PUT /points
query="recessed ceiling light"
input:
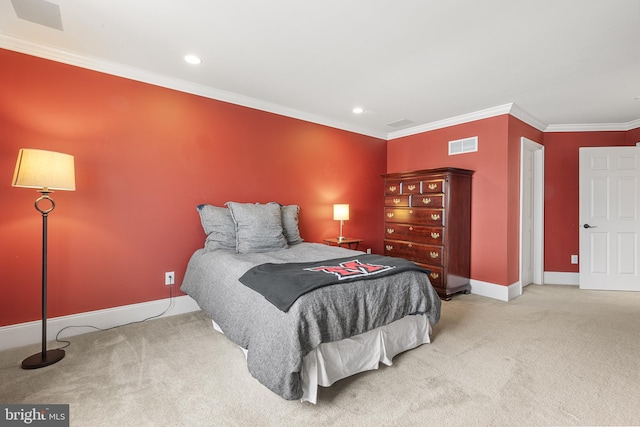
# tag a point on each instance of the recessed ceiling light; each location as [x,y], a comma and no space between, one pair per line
[192,59]
[358,110]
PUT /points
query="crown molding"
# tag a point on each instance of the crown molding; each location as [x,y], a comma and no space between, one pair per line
[156,79]
[108,67]
[594,127]
[452,121]
[521,114]
[634,124]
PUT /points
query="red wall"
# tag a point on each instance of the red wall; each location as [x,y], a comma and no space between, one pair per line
[561,186]
[633,136]
[495,207]
[145,157]
[495,186]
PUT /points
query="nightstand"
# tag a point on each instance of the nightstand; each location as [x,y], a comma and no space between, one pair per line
[346,241]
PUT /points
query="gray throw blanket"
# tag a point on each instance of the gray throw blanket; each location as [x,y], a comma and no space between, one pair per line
[283,284]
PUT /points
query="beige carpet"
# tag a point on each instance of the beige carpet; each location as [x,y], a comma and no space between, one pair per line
[554,356]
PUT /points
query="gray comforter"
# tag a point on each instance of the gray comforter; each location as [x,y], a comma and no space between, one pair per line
[277,341]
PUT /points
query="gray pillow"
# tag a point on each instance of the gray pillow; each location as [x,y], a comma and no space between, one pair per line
[258,227]
[290,224]
[219,227]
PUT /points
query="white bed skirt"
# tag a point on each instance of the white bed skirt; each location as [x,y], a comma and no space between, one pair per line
[330,362]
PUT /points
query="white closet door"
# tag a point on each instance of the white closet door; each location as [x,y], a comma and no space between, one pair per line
[610,218]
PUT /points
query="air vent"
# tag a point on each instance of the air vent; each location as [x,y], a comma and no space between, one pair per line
[39,12]
[401,123]
[466,145]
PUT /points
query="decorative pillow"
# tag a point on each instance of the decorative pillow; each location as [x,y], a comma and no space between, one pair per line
[290,224]
[219,227]
[258,227]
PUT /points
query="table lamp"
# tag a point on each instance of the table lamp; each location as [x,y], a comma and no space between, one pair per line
[341,213]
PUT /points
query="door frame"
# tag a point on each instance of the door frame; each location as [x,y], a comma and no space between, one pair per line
[537,249]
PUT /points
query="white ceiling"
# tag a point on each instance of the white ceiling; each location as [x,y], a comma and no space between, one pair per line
[558,64]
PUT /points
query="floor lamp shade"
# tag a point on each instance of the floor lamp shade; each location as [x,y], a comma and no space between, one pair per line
[45,171]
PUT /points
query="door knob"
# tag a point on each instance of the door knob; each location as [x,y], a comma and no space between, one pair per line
[590,226]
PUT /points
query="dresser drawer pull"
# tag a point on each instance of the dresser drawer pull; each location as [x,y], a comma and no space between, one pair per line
[390,214]
[435,217]
[434,255]
[410,228]
[435,235]
[396,201]
[392,189]
[426,200]
[390,231]
[433,275]
[411,187]
[389,247]
[409,245]
[432,186]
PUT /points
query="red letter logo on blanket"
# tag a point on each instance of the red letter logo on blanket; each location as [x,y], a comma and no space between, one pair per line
[349,269]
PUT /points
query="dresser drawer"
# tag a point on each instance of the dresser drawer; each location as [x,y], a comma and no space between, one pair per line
[414,233]
[399,201]
[392,187]
[433,186]
[411,187]
[424,254]
[426,201]
[415,216]
[435,277]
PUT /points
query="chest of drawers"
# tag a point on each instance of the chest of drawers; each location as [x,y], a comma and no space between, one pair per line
[428,221]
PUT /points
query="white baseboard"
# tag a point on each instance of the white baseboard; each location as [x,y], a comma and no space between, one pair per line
[492,290]
[561,278]
[22,334]
[507,293]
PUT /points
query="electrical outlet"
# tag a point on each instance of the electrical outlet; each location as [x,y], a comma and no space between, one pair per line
[369,250]
[169,278]
[574,259]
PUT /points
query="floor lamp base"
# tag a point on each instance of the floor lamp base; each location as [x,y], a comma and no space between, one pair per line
[37,361]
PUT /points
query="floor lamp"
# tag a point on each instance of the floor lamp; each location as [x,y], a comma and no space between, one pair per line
[46,171]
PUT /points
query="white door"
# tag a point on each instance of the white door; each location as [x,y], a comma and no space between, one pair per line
[531,212]
[610,218]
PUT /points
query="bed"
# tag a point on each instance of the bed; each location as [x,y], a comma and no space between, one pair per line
[325,334]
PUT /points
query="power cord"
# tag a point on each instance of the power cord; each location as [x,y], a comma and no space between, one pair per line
[68,343]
